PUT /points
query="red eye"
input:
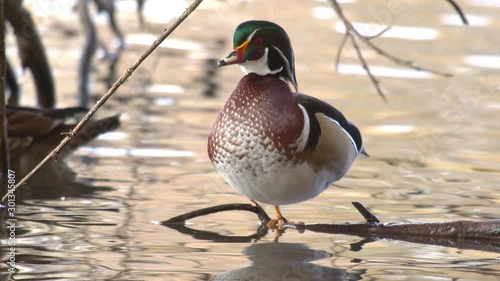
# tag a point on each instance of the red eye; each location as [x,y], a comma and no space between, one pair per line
[258,41]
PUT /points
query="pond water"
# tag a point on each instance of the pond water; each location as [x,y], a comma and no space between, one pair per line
[434,149]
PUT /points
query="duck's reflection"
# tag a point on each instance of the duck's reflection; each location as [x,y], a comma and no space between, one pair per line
[286,261]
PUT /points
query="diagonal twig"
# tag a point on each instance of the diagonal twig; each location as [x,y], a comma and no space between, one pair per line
[108,94]
[459,11]
[378,34]
[366,67]
[339,53]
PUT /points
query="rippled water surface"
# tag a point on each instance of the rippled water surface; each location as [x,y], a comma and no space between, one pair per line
[434,148]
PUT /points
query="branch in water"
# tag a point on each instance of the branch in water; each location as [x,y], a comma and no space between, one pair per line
[477,235]
[257,209]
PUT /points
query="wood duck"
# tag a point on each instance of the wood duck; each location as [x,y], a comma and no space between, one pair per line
[271,143]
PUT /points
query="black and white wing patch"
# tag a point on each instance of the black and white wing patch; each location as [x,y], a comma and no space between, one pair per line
[314,106]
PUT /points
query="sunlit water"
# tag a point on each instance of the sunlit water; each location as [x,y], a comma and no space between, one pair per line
[434,149]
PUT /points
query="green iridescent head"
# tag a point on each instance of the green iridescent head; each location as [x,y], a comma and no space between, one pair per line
[264,48]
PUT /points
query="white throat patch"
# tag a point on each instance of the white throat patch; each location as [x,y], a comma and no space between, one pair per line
[259,66]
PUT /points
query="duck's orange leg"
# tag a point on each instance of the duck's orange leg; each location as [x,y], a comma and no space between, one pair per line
[279,222]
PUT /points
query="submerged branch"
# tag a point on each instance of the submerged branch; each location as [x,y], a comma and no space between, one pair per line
[489,229]
[479,235]
[257,209]
[108,94]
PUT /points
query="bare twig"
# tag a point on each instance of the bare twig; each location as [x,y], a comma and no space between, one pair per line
[355,35]
[369,216]
[459,11]
[341,47]
[366,67]
[366,39]
[396,60]
[109,93]
[378,34]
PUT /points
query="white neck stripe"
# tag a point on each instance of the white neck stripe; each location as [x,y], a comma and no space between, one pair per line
[249,38]
[288,68]
[301,141]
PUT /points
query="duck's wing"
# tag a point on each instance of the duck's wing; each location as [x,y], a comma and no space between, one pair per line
[317,110]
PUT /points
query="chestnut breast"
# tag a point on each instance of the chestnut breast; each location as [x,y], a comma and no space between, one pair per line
[261,111]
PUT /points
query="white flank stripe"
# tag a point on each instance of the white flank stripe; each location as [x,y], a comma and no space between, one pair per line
[301,141]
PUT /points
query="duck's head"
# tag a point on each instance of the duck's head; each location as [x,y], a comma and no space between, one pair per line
[263,48]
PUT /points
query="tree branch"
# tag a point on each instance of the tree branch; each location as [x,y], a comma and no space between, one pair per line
[354,35]
[257,209]
[479,235]
[366,67]
[459,11]
[339,52]
[108,94]
[4,142]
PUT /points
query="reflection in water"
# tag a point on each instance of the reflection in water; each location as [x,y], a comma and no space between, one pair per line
[286,261]
[113,136]
[383,71]
[483,61]
[156,11]
[148,39]
[165,89]
[474,20]
[91,45]
[323,13]
[55,180]
[326,13]
[164,101]
[216,237]
[485,3]
[139,152]
[390,129]
[401,32]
